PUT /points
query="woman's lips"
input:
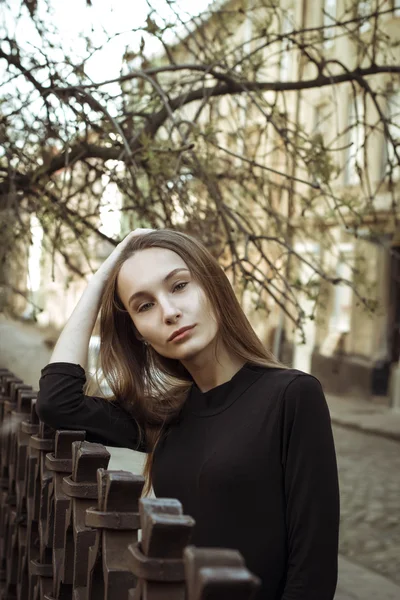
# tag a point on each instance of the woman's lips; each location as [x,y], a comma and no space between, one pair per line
[181,334]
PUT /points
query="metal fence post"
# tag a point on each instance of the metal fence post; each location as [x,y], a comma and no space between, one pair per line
[117,521]
[60,464]
[157,560]
[25,488]
[82,488]
[40,565]
[218,574]
[19,410]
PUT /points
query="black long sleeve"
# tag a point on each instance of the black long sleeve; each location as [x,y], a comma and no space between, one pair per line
[253,461]
[62,404]
[311,492]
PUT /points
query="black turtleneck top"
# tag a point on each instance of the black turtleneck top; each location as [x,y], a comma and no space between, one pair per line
[252,460]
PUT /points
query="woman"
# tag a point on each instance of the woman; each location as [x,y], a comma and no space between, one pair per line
[243,442]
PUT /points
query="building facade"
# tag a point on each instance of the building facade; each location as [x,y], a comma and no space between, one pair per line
[352,340]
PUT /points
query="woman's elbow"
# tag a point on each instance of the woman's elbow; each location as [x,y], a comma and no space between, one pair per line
[47,411]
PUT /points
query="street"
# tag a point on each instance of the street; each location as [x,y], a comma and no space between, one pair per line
[369,472]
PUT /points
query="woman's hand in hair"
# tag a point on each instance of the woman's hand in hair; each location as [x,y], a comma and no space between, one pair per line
[72,345]
[108,265]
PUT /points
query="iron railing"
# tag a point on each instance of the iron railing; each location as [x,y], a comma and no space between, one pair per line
[72,530]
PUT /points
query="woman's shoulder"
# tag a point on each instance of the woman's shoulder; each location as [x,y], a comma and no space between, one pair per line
[287,382]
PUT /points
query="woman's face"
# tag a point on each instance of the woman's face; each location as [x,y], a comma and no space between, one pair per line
[162,298]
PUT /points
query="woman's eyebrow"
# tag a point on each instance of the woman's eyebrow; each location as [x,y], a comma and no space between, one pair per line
[165,280]
[174,272]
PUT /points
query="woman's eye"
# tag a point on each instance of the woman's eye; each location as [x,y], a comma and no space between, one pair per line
[180,286]
[145,307]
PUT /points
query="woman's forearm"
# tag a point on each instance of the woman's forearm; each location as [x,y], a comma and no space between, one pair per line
[73,343]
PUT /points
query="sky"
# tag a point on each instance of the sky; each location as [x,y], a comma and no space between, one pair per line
[74,17]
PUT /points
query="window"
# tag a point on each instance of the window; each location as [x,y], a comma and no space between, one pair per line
[343,296]
[322,115]
[391,162]
[287,45]
[364,9]
[35,255]
[110,208]
[341,315]
[34,274]
[396,6]
[356,140]
[303,347]
[328,21]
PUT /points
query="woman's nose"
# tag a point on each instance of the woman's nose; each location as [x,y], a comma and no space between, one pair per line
[171,313]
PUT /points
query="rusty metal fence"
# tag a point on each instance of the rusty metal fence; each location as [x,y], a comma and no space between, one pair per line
[72,530]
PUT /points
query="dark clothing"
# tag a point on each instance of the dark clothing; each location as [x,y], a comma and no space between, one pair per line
[252,460]
[61,404]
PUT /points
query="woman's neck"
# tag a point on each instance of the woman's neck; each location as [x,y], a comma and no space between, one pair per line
[212,368]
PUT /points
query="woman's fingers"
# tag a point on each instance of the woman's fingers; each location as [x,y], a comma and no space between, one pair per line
[134,233]
[108,265]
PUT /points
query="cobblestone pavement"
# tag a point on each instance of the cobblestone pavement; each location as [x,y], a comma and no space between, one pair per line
[369,472]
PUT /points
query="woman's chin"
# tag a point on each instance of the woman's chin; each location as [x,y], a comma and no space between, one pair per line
[188,350]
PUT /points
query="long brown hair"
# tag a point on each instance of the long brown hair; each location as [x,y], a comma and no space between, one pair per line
[152,387]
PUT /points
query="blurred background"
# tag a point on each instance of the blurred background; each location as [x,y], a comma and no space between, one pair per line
[269,129]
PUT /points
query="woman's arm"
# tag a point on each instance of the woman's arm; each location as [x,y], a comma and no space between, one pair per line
[311,491]
[62,404]
[73,343]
